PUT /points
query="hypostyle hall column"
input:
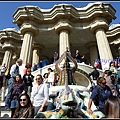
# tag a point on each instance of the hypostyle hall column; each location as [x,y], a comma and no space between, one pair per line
[63,30]
[93,51]
[36,52]
[26,51]
[119,51]
[63,41]
[103,44]
[8,54]
[29,32]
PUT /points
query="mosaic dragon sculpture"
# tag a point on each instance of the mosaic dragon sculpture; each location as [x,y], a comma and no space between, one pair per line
[68,99]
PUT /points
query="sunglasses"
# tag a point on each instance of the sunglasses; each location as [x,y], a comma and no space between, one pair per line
[38,78]
[104,83]
[23,99]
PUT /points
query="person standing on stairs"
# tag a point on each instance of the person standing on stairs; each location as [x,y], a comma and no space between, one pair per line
[14,70]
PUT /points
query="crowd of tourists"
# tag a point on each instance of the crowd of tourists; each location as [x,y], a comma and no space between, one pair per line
[105,92]
[26,99]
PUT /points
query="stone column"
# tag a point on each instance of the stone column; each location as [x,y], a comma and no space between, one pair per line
[7,58]
[118,57]
[1,55]
[26,50]
[119,50]
[63,29]
[104,48]
[99,28]
[36,52]
[63,41]
[8,54]
[93,52]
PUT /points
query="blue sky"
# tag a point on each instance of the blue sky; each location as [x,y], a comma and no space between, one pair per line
[8,8]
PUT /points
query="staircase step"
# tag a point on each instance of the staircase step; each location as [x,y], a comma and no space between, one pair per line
[5,114]
[2,103]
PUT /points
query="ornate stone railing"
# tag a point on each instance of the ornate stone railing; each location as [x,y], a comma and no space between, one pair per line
[81,66]
[83,70]
[87,68]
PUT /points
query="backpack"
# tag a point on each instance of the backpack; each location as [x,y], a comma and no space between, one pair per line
[7,74]
[97,98]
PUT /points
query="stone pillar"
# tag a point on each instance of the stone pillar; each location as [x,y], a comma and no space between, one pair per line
[93,52]
[104,48]
[8,54]
[119,50]
[118,57]
[99,29]
[26,51]
[63,41]
[36,53]
[15,56]
[63,29]
[1,55]
[7,58]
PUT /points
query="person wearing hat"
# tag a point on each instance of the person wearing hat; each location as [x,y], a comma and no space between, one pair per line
[14,70]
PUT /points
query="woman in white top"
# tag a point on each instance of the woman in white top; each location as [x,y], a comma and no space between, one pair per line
[45,78]
[39,95]
[51,77]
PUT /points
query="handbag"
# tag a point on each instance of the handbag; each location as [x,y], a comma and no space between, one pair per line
[6,72]
[25,113]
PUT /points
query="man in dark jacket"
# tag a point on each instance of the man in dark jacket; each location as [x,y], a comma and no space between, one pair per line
[95,74]
[77,56]
[28,78]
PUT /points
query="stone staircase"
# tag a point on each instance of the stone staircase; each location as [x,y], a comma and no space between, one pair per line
[81,66]
[4,113]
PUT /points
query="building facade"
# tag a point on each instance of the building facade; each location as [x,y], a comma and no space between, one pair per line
[42,32]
